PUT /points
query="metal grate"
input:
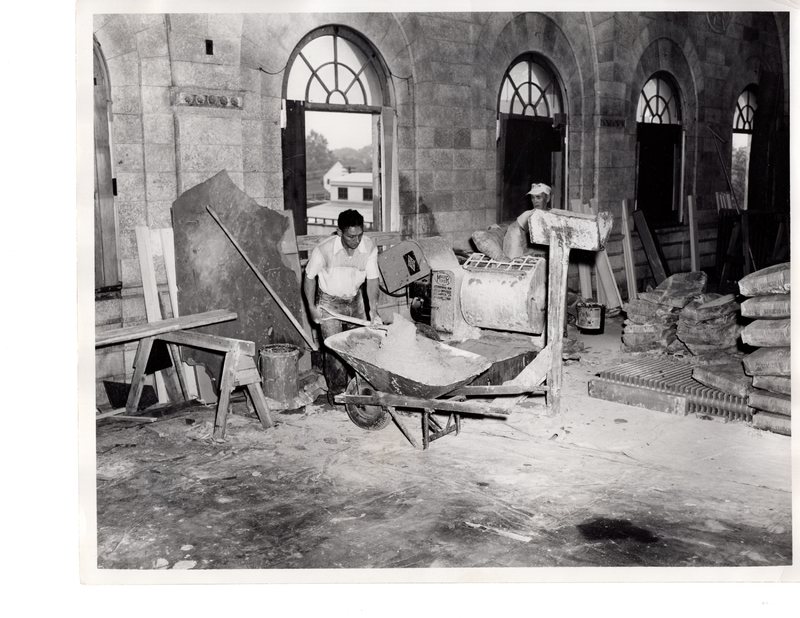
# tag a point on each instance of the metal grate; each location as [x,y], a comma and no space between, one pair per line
[674,377]
[479,261]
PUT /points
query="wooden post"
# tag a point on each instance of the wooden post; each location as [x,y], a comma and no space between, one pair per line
[693,247]
[627,250]
[563,230]
[556,312]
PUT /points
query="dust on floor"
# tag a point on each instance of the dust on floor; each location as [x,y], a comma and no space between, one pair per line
[604,484]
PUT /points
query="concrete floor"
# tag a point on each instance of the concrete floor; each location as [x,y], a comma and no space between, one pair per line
[604,484]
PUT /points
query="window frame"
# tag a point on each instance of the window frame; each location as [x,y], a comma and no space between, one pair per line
[385,155]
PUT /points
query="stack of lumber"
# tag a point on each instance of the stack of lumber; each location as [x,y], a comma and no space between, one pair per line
[652,318]
[769,304]
[709,326]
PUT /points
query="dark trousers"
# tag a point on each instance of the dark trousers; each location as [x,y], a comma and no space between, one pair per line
[337,373]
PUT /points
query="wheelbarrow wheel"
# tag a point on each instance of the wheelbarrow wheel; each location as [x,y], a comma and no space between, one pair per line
[366,417]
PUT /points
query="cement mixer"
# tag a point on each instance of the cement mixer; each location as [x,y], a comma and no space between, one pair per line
[481,293]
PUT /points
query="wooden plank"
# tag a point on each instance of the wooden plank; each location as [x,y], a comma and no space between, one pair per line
[110,413]
[416,404]
[209,342]
[651,247]
[286,311]
[381,239]
[137,382]
[150,289]
[226,386]
[634,395]
[187,374]
[496,390]
[139,331]
[606,276]
[260,404]
[393,413]
[627,250]
[558,263]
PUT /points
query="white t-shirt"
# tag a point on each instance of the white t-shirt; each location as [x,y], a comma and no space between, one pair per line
[341,274]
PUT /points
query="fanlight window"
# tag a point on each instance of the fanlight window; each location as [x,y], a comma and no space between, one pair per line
[332,69]
[745,112]
[658,103]
[530,89]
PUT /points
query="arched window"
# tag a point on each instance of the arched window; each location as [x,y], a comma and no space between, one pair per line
[658,103]
[531,130]
[745,110]
[660,145]
[339,124]
[334,67]
[530,89]
[106,267]
[742,138]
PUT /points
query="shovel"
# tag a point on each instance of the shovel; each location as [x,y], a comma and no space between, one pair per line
[347,318]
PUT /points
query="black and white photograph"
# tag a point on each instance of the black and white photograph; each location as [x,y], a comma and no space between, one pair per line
[434,295]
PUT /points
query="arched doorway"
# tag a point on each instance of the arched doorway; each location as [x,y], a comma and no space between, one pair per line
[741,142]
[531,130]
[660,142]
[106,267]
[336,92]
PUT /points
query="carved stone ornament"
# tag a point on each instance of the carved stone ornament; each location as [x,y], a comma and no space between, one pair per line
[719,21]
[193,99]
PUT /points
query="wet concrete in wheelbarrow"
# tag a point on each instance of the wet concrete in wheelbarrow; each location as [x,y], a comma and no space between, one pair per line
[603,485]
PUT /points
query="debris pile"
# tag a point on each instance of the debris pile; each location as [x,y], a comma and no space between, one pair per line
[769,306]
[709,326]
[652,319]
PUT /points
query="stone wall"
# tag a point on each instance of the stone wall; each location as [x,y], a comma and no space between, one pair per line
[180,114]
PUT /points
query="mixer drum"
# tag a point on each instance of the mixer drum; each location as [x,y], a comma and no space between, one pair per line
[505,295]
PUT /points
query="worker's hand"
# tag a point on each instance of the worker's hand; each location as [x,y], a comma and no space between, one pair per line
[376,320]
[315,312]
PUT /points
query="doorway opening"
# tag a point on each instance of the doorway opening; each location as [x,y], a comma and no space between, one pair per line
[660,144]
[340,157]
[531,136]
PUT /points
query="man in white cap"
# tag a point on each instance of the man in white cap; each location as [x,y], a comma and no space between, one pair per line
[515,242]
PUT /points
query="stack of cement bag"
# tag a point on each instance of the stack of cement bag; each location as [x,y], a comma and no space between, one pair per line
[709,327]
[652,319]
[770,332]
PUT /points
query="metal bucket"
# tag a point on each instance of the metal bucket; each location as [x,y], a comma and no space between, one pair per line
[591,317]
[279,375]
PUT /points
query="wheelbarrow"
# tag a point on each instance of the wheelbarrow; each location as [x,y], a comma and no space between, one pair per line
[372,397]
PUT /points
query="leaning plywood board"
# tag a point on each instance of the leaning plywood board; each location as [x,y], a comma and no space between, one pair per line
[212,274]
[655,256]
